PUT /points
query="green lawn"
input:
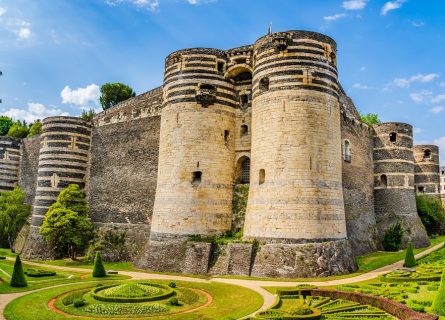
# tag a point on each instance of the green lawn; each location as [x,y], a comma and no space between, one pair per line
[229,302]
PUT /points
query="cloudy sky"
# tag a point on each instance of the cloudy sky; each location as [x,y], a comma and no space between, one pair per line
[54,54]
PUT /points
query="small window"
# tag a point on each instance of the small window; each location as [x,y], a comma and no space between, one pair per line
[244,130]
[226,136]
[245,171]
[383,181]
[427,155]
[421,189]
[264,84]
[347,151]
[262,176]
[196,178]
[393,137]
[206,87]
[220,66]
[244,100]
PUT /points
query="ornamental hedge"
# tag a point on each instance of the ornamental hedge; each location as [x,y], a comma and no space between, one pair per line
[166,293]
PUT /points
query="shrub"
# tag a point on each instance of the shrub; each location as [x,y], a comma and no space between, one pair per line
[439,302]
[173,302]
[410,260]
[172,284]
[36,273]
[79,303]
[76,295]
[18,277]
[392,240]
[2,258]
[98,268]
[431,213]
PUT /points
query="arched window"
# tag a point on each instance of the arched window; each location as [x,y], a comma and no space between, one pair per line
[427,155]
[347,151]
[262,176]
[393,137]
[384,181]
[244,130]
[264,84]
[245,171]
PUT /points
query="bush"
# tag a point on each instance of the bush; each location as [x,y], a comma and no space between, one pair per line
[18,279]
[173,302]
[172,284]
[439,302]
[76,295]
[35,129]
[431,213]
[39,273]
[2,258]
[77,303]
[410,260]
[98,268]
[392,240]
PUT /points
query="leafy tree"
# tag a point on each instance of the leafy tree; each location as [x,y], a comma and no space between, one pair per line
[88,115]
[5,124]
[18,130]
[35,129]
[438,306]
[370,118]
[410,260]
[13,214]
[431,213]
[392,240]
[66,225]
[113,93]
[98,267]
[18,279]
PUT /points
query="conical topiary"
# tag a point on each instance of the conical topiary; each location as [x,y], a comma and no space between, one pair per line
[98,268]
[410,260]
[18,276]
[438,306]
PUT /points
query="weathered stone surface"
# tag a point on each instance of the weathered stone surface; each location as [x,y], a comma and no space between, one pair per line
[219,260]
[163,256]
[35,247]
[240,258]
[29,162]
[196,258]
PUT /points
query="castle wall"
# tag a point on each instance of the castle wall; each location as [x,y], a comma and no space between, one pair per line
[394,195]
[427,170]
[358,185]
[29,162]
[9,163]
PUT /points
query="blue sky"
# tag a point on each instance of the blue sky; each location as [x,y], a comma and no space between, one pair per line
[54,54]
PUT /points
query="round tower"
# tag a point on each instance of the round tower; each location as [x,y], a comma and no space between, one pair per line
[197,147]
[9,163]
[65,144]
[394,195]
[295,191]
[427,169]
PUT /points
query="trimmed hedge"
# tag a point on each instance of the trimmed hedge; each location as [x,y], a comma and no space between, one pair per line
[18,279]
[283,315]
[439,302]
[168,292]
[410,260]
[98,268]
[36,273]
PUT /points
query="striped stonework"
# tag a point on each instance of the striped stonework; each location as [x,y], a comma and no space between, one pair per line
[9,163]
[427,169]
[63,159]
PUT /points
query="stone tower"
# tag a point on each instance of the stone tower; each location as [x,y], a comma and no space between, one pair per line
[197,147]
[394,195]
[427,169]
[63,159]
[9,162]
[296,176]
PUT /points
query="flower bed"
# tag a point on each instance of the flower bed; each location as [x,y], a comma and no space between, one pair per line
[116,293]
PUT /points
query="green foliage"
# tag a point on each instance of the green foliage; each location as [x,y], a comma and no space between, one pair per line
[13,213]
[98,268]
[131,290]
[125,309]
[439,302]
[172,284]
[69,298]
[392,240]
[37,273]
[229,236]
[114,93]
[77,303]
[109,240]
[370,118]
[88,115]
[123,293]
[35,129]
[173,302]
[66,225]
[5,124]
[431,213]
[18,130]
[410,260]
[18,279]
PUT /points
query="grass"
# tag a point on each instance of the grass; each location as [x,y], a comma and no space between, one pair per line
[229,302]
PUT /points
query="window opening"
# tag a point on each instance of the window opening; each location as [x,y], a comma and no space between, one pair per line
[264,84]
[384,180]
[196,178]
[220,66]
[427,155]
[244,130]
[393,137]
[262,176]
[226,136]
[245,171]
[347,151]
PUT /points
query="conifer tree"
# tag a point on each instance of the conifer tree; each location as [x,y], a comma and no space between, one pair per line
[98,268]
[410,260]
[18,276]
[438,306]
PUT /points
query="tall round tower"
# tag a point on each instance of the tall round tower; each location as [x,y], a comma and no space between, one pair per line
[295,191]
[197,147]
[9,163]
[394,195]
[427,169]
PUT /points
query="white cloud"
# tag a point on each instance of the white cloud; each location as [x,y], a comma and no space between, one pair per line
[81,96]
[151,5]
[392,5]
[406,82]
[2,11]
[420,97]
[417,24]
[442,84]
[437,109]
[360,86]
[33,112]
[417,130]
[354,4]
[193,1]
[439,98]
[335,17]
[24,33]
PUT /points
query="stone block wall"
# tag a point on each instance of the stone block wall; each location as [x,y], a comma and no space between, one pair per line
[29,162]
[9,163]
[427,170]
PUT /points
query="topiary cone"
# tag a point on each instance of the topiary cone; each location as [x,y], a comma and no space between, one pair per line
[410,260]
[438,306]
[18,276]
[98,268]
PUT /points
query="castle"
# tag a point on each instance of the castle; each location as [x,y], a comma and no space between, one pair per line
[260,138]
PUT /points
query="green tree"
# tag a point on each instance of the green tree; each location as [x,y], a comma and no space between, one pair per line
[66,225]
[35,129]
[88,115]
[431,213]
[410,260]
[98,267]
[18,130]
[392,240]
[13,214]
[18,279]
[370,118]
[438,306]
[5,124]
[113,93]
